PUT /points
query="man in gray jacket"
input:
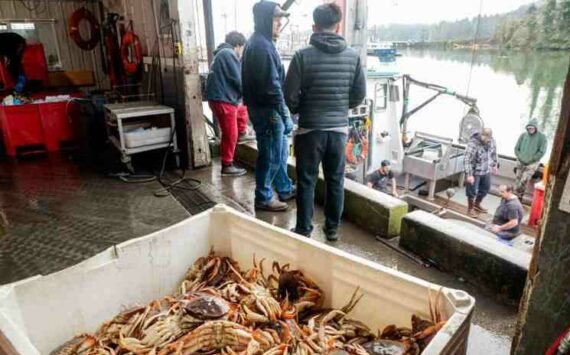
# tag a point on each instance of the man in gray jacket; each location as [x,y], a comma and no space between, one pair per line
[324,80]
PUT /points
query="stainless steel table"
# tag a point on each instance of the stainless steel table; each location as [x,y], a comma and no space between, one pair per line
[120,117]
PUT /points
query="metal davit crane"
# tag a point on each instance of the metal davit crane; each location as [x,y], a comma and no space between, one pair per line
[471,121]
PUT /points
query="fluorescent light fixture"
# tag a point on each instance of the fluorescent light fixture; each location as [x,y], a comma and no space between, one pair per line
[22,26]
[3,27]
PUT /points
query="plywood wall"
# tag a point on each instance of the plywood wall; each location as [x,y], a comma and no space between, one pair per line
[145,21]
[71,56]
[148,22]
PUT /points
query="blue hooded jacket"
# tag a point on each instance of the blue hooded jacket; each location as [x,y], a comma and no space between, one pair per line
[224,80]
[263,74]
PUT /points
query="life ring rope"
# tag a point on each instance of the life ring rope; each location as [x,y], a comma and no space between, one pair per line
[79,15]
[131,64]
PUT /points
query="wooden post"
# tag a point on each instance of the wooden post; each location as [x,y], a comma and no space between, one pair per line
[198,148]
[545,306]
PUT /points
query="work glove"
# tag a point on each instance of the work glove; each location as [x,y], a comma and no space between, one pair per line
[20,84]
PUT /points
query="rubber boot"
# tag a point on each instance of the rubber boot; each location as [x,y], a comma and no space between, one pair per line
[477,206]
[470,211]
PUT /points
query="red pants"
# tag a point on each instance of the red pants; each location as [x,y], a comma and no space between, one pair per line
[233,120]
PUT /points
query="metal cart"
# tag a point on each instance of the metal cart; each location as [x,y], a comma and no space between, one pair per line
[433,158]
[120,118]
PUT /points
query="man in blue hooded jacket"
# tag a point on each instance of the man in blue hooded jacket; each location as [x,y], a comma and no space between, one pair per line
[223,91]
[262,81]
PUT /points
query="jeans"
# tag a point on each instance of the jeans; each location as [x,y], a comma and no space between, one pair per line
[233,121]
[480,187]
[310,150]
[507,235]
[503,235]
[273,151]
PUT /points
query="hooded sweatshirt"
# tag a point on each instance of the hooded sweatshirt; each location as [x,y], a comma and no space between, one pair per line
[224,80]
[13,46]
[324,80]
[262,70]
[531,148]
[480,157]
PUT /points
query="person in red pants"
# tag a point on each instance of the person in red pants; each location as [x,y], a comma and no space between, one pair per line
[224,94]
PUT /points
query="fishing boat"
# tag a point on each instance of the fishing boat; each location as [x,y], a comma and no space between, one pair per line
[429,165]
[382,50]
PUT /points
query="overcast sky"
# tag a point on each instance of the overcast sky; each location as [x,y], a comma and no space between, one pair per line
[423,11]
[236,14]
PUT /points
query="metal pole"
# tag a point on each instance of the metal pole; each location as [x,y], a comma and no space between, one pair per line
[209,23]
[353,25]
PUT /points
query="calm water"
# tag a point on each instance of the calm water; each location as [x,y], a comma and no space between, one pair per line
[510,87]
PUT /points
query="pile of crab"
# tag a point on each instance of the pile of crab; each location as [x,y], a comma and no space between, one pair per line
[220,309]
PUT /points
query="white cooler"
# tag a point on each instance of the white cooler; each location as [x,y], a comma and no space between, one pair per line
[41,313]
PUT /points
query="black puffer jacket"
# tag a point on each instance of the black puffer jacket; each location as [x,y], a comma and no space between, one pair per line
[324,80]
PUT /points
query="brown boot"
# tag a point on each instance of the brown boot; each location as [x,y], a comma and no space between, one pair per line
[470,211]
[477,206]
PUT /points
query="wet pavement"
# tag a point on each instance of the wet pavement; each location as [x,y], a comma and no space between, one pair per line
[54,214]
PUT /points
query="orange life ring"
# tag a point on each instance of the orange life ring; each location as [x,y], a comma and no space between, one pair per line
[348,151]
[79,15]
[360,149]
[131,40]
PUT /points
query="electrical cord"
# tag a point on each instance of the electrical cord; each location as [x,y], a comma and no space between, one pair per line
[123,176]
[192,184]
[183,182]
[34,6]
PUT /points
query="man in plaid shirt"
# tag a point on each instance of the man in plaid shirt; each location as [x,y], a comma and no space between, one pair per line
[480,161]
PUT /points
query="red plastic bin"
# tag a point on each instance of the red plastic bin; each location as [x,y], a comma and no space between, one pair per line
[57,124]
[22,128]
[536,207]
[34,63]
[6,81]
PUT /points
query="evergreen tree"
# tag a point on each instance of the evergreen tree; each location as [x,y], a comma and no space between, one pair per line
[548,22]
[564,22]
[518,34]
[531,24]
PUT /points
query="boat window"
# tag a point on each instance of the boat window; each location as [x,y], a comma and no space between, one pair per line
[380,96]
[37,31]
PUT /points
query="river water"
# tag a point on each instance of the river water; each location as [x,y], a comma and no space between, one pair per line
[510,87]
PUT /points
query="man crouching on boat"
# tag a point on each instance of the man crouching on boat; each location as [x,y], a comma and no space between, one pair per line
[508,216]
[480,161]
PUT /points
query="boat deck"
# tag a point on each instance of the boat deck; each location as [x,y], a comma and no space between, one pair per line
[458,203]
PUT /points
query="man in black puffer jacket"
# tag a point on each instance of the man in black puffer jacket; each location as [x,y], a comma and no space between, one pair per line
[324,80]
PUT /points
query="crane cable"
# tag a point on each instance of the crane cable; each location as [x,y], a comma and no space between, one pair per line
[473,51]
[473,55]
